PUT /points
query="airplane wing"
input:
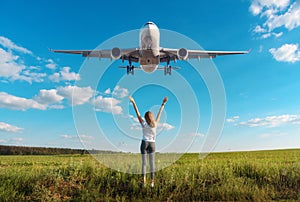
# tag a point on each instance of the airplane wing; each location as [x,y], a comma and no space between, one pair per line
[124,54]
[166,54]
[175,54]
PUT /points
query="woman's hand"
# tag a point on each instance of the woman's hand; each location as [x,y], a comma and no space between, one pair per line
[131,99]
[165,100]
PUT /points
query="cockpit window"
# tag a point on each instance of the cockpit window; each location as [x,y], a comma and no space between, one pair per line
[148,23]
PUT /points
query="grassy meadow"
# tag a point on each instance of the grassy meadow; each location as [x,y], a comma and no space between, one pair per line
[255,176]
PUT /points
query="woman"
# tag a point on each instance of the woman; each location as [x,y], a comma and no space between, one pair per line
[148,141]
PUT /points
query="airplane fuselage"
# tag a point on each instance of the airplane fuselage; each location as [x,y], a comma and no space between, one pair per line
[149,47]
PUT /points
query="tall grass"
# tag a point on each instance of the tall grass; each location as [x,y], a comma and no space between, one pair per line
[255,176]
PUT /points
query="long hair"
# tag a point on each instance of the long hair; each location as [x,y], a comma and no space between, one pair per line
[150,119]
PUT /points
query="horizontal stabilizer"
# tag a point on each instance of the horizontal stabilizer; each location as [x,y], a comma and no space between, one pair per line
[134,67]
[163,68]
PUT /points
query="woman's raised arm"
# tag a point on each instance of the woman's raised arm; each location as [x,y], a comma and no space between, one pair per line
[136,109]
[161,109]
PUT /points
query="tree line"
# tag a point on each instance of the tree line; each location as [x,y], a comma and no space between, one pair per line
[21,150]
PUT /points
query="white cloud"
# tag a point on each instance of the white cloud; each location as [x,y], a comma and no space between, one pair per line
[64,75]
[107,91]
[160,126]
[259,29]
[273,134]
[107,104]
[69,76]
[135,126]
[135,119]
[12,68]
[82,137]
[51,64]
[9,128]
[286,53]
[232,119]
[164,126]
[229,120]
[47,97]
[29,77]
[267,35]
[15,140]
[19,103]
[272,121]
[197,134]
[69,136]
[110,104]
[76,95]
[258,6]
[7,43]
[55,77]
[86,137]
[275,14]
[8,64]
[277,35]
[55,106]
[255,8]
[120,92]
[290,19]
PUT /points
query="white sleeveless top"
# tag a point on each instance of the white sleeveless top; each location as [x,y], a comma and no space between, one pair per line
[149,133]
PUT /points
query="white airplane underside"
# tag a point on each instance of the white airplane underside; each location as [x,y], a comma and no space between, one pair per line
[149,54]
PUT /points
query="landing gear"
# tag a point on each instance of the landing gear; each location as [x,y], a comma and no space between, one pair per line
[130,69]
[168,70]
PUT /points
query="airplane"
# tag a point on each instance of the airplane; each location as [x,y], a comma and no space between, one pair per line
[149,54]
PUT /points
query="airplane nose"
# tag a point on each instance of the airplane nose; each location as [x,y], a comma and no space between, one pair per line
[149,25]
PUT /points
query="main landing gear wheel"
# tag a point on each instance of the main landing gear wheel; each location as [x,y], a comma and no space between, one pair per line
[130,69]
[168,70]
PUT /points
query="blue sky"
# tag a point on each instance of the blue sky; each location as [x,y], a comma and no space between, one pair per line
[262,88]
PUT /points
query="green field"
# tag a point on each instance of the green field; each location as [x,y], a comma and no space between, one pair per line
[258,176]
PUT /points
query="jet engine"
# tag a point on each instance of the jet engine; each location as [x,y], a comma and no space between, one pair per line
[182,54]
[115,53]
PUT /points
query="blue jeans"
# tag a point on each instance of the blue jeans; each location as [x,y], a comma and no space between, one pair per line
[148,148]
